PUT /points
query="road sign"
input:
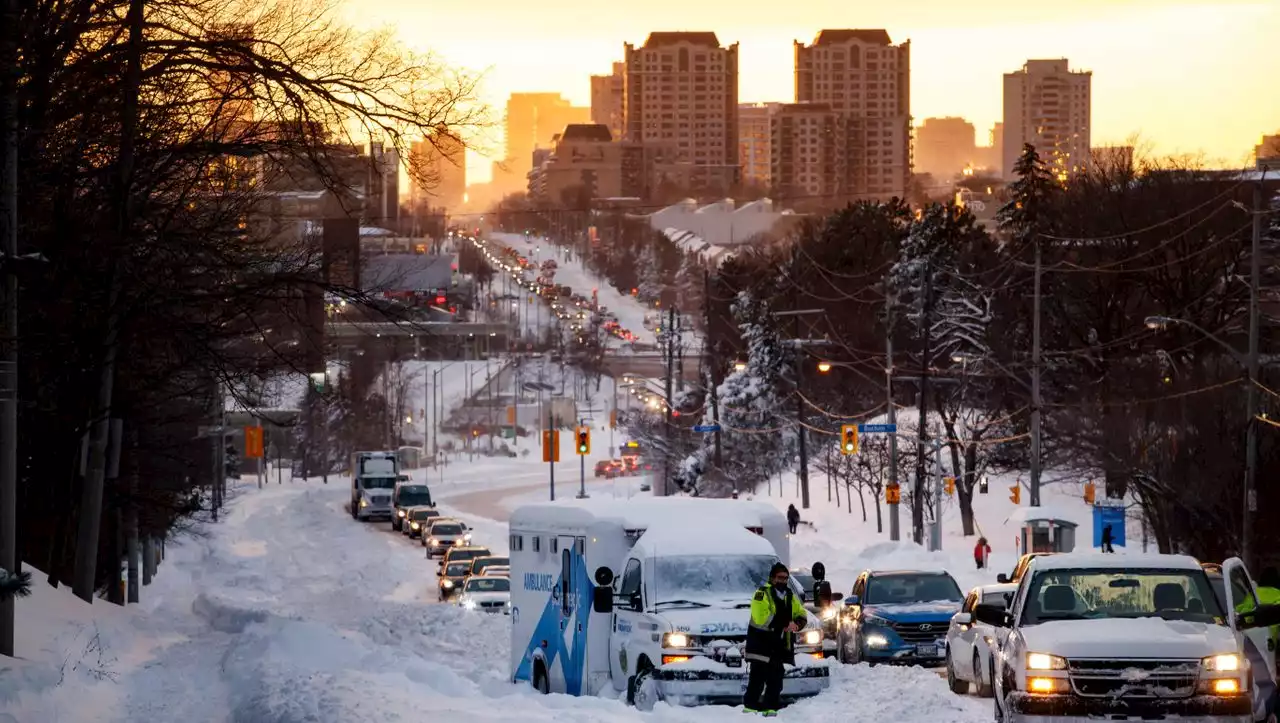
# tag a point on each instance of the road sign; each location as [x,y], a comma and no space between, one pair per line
[253,442]
[550,445]
[893,494]
[707,428]
[878,428]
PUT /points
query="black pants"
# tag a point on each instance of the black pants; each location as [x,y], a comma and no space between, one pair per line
[764,686]
[1106,546]
[793,525]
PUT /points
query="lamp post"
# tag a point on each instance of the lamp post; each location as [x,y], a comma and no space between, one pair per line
[1249,362]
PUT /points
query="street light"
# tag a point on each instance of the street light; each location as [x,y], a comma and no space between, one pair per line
[739,366]
[824,366]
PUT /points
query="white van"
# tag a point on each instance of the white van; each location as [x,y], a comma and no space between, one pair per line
[647,596]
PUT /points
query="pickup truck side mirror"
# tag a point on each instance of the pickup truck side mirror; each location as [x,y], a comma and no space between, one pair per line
[994,615]
[1264,616]
[1002,578]
[602,599]
[852,600]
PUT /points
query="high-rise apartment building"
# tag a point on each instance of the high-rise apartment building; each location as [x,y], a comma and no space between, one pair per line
[533,120]
[1047,105]
[864,78]
[681,101]
[1268,148]
[439,173]
[753,141]
[944,147]
[606,99]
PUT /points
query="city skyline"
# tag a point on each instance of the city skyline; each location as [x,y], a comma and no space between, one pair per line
[1144,77]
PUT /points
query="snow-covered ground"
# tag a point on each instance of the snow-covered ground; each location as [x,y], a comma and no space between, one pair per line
[289,611]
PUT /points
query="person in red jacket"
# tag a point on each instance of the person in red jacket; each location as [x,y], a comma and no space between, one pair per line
[980,552]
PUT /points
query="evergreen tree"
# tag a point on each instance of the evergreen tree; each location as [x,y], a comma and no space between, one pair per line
[689,283]
[1030,207]
[649,272]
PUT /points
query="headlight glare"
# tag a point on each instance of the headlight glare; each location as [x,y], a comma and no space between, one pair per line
[1044,661]
[812,637]
[676,640]
[1225,663]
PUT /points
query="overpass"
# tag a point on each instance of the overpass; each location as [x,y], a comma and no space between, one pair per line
[651,365]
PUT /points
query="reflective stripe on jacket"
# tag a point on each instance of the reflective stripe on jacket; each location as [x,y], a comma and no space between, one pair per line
[767,637]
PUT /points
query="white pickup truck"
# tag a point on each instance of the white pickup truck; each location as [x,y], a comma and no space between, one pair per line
[1133,637]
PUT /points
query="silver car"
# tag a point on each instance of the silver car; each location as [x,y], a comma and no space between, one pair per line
[443,534]
[972,645]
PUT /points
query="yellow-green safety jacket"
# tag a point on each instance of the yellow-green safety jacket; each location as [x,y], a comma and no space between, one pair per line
[767,638]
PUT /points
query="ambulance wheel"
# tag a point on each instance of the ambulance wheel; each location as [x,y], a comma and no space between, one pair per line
[646,691]
[541,682]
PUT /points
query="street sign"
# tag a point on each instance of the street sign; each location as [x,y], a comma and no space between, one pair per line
[893,494]
[707,428]
[253,442]
[878,428]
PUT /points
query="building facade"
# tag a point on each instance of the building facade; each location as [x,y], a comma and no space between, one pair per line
[533,120]
[585,164]
[438,174]
[945,147]
[753,141]
[606,99]
[680,101]
[1047,105]
[864,78]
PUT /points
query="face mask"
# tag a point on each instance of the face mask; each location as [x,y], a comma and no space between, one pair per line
[780,586]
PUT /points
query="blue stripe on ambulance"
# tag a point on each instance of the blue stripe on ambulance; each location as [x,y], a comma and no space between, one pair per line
[548,628]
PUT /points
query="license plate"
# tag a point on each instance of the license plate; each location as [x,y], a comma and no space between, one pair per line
[733,662]
[927,651]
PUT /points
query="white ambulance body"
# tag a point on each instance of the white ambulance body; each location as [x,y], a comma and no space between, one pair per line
[650,596]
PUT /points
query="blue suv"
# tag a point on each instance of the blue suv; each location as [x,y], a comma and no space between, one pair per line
[898,616]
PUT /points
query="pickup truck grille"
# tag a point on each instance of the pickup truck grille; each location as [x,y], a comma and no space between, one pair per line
[1134,678]
[920,632]
[492,604]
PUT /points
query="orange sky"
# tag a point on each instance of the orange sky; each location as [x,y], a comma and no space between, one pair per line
[1188,75]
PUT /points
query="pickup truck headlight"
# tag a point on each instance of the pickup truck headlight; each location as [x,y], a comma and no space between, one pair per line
[1227,663]
[812,637]
[400,512]
[414,525]
[675,640]
[829,612]
[1044,661]
[446,584]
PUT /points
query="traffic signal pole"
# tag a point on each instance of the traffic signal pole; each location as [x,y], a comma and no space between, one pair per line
[582,462]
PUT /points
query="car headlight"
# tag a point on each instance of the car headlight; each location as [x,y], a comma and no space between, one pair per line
[877,621]
[414,525]
[400,512]
[432,541]
[469,604]
[812,637]
[1044,661]
[675,640]
[466,537]
[446,583]
[829,613]
[1225,663]
[364,502]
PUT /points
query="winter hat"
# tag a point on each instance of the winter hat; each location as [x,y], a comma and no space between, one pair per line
[777,568]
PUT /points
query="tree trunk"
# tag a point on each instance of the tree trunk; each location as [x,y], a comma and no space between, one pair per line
[862,501]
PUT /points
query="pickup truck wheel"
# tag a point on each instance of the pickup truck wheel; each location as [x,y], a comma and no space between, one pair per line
[983,684]
[957,686]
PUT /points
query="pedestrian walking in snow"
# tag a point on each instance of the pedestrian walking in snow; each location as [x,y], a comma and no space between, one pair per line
[1107,539]
[793,518]
[981,552]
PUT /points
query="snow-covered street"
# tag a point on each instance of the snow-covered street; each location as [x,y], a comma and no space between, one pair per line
[289,611]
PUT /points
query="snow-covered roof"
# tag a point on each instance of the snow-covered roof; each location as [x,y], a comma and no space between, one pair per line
[916,571]
[1087,560]
[1057,513]
[709,537]
[375,231]
[641,514]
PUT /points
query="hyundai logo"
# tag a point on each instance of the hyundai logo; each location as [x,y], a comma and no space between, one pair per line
[926,627]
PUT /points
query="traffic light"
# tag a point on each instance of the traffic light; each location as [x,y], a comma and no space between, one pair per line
[848,439]
[1015,494]
[584,441]
[1090,492]
[950,485]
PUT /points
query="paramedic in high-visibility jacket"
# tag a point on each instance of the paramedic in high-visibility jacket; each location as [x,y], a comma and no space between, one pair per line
[776,617]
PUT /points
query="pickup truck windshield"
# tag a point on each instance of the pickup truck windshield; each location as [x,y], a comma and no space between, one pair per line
[914,587]
[1092,594]
[717,577]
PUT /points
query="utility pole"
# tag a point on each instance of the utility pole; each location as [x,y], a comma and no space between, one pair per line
[551,458]
[798,345]
[90,523]
[713,372]
[917,497]
[669,334]
[131,516]
[1035,386]
[1251,440]
[894,527]
[9,360]
[935,535]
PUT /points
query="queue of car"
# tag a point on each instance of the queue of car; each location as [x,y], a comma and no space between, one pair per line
[467,574]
